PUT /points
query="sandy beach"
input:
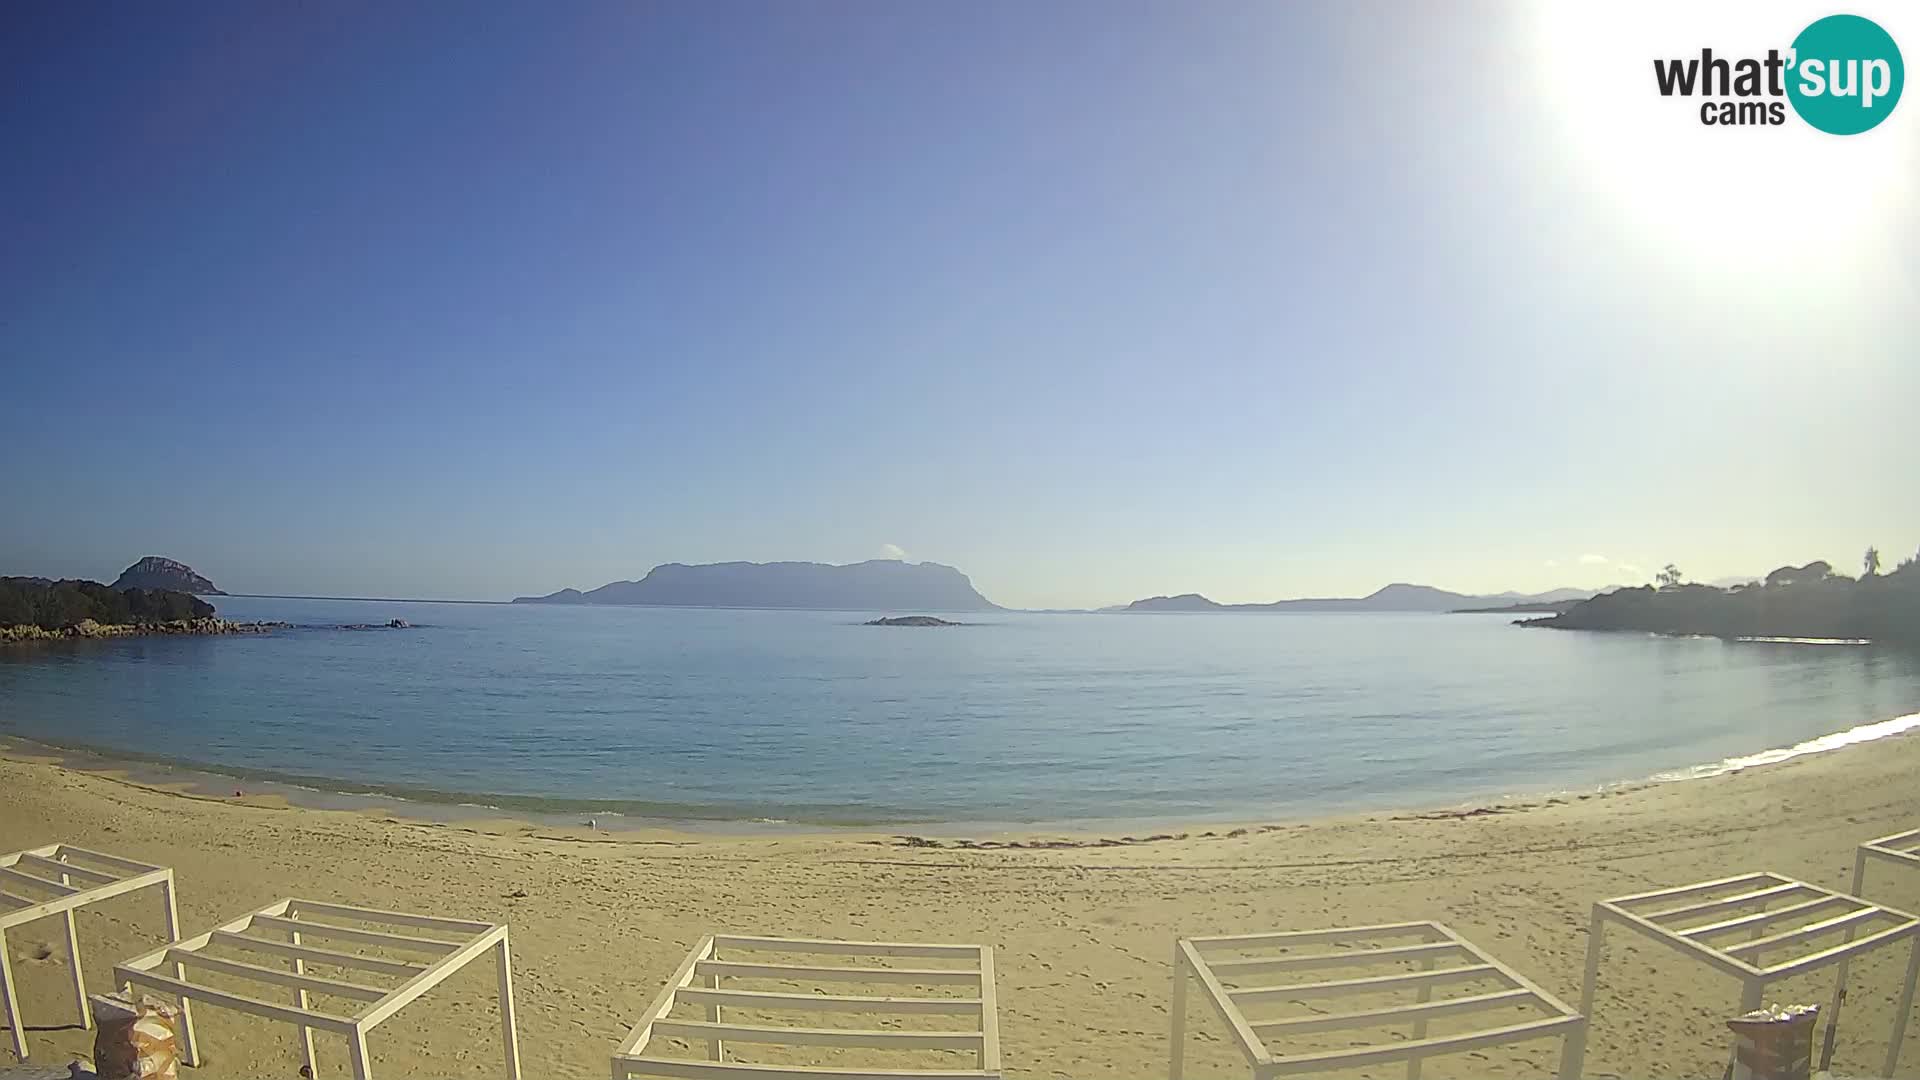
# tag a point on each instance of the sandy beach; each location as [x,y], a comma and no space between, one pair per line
[1083,925]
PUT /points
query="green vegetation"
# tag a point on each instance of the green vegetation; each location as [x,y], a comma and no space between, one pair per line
[59,605]
[1810,601]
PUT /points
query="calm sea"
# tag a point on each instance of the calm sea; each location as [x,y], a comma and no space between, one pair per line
[810,717]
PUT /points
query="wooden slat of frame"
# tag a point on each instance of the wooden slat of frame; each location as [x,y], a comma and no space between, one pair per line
[1893,854]
[761,999]
[1798,933]
[681,1069]
[1900,841]
[1370,1017]
[1671,938]
[1681,892]
[318,956]
[930,976]
[1444,1044]
[989,1014]
[46,865]
[286,1014]
[1351,958]
[126,866]
[882,1039]
[1731,903]
[313,983]
[1839,952]
[435,974]
[1250,1044]
[1308,937]
[8,874]
[15,901]
[1370,985]
[642,1030]
[1764,917]
[846,948]
[464,927]
[347,933]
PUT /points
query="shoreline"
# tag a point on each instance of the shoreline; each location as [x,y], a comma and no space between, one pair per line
[1081,934]
[209,782]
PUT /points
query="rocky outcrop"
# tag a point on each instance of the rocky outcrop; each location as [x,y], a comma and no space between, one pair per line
[87,629]
[912,620]
[155,572]
[1800,604]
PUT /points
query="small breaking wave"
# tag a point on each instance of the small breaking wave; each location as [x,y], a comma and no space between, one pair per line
[1879,729]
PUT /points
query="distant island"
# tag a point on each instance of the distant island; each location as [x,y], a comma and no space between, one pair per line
[874,585]
[1396,597]
[1806,602]
[911,620]
[155,572]
[1526,608]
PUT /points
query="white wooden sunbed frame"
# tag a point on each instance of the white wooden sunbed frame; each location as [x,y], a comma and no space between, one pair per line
[1443,957]
[705,965]
[76,877]
[1901,849]
[1738,928]
[292,922]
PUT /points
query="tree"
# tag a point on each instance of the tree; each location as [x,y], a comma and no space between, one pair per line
[1871,562]
[1669,577]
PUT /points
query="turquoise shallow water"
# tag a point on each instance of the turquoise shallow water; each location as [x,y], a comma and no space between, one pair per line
[810,717]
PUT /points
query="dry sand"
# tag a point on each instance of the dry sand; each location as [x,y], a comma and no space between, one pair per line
[1083,933]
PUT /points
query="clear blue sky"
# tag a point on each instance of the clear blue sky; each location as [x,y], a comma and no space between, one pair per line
[1092,300]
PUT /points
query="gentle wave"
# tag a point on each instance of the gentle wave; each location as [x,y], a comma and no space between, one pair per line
[1833,741]
[1808,640]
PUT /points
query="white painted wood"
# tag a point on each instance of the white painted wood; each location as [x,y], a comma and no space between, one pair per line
[1370,985]
[803,973]
[300,951]
[1731,903]
[299,919]
[846,948]
[362,937]
[72,887]
[1802,933]
[1229,969]
[772,999]
[12,994]
[1760,919]
[1257,1038]
[1356,934]
[699,982]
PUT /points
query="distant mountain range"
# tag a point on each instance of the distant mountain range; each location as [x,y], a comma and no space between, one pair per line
[1396,597]
[875,585]
[154,572]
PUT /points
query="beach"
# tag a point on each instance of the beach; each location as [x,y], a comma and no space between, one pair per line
[1083,925]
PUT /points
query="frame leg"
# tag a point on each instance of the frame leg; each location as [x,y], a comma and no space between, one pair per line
[1905,1007]
[509,1037]
[13,1001]
[1752,993]
[357,1050]
[189,1055]
[79,977]
[1177,1031]
[1573,1053]
[1840,970]
[1424,995]
[300,999]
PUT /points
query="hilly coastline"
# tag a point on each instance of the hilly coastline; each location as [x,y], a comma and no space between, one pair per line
[1399,596]
[1794,602]
[874,585]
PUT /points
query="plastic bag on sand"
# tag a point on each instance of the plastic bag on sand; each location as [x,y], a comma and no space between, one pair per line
[135,1041]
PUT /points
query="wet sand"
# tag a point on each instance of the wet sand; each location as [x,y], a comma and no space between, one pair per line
[1083,924]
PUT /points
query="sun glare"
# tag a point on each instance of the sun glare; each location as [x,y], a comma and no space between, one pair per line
[1740,200]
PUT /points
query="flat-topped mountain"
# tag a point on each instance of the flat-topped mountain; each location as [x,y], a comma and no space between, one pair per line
[1396,597]
[154,572]
[875,585]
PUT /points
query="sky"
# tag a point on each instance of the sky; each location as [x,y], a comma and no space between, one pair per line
[1094,301]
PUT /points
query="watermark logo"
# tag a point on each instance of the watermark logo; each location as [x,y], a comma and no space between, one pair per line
[1843,74]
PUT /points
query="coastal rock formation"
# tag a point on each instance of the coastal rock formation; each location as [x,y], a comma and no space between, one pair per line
[911,620]
[875,585]
[87,629]
[1800,602]
[155,572]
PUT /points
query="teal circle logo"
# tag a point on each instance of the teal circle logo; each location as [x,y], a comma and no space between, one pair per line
[1847,74]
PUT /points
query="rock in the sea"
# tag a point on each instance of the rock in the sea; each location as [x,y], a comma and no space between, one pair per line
[913,620]
[398,624]
[155,572]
